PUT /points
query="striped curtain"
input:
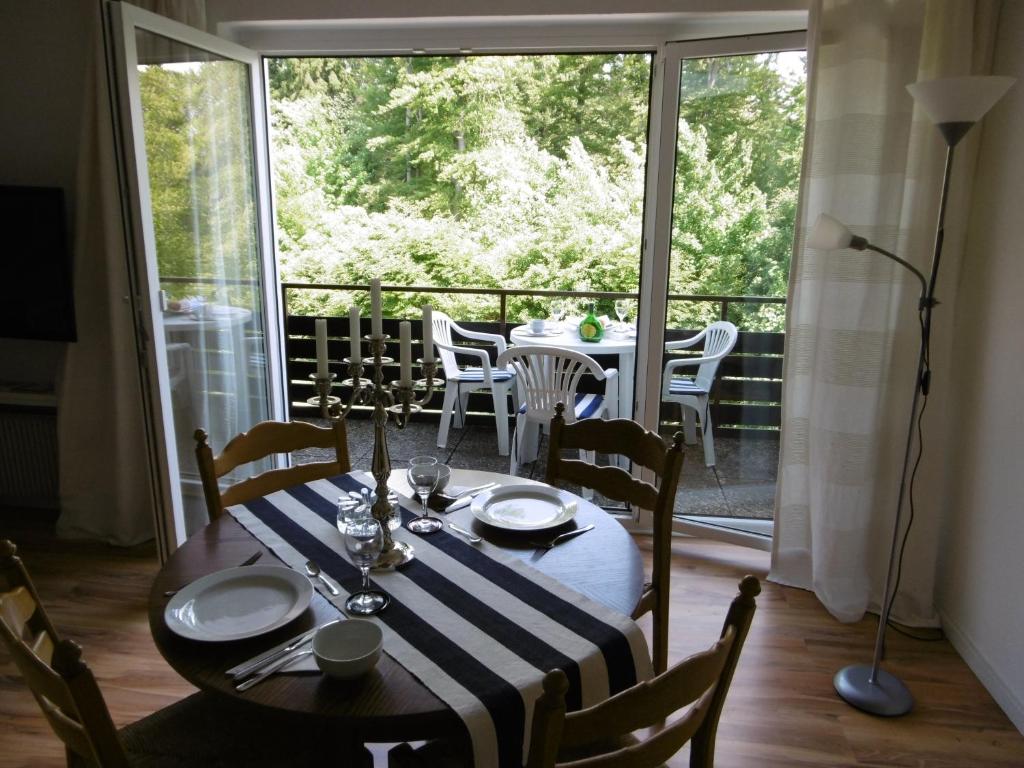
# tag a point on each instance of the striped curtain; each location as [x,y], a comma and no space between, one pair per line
[875,163]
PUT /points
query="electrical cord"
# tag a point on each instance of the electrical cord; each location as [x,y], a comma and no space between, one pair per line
[924,385]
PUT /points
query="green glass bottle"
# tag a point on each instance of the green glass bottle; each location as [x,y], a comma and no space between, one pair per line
[590,327]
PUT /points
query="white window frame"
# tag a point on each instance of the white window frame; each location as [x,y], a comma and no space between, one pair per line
[668,37]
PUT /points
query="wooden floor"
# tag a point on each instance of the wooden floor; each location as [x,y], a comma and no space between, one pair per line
[781,710]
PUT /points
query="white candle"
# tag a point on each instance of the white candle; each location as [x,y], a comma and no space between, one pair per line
[356,355]
[376,320]
[428,334]
[321,347]
[405,345]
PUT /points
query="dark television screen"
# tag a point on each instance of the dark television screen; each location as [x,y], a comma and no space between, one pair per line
[36,297]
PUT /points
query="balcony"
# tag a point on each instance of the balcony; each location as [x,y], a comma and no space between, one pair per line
[745,410]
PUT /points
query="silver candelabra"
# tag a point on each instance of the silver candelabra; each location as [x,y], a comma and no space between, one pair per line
[393,400]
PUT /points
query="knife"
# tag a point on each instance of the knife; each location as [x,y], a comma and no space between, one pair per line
[466,498]
[258,663]
[270,669]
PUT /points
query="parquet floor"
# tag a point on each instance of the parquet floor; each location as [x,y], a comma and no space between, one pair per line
[781,709]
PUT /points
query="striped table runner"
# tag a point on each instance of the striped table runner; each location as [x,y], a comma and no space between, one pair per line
[476,626]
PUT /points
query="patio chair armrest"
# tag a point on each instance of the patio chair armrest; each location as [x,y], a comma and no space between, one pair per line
[495,338]
[671,365]
[684,343]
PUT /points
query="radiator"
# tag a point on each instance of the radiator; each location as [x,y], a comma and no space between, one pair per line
[28,458]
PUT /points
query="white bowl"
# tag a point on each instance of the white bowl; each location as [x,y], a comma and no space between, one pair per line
[348,648]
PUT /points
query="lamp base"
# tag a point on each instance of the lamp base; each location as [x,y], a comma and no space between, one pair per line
[886,696]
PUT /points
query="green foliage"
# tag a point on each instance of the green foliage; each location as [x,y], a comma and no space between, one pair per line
[529,172]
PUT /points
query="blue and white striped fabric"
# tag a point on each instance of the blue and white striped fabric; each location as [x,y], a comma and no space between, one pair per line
[685,387]
[476,626]
[587,405]
[477,374]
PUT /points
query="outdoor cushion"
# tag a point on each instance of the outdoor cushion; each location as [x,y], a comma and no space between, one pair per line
[586,405]
[686,387]
[477,374]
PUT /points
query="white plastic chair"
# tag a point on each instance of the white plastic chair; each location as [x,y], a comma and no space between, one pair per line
[460,382]
[547,376]
[693,394]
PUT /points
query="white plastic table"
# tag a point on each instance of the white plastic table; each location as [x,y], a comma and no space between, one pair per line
[612,344]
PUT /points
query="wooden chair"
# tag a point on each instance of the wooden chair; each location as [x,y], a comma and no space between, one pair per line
[603,735]
[569,739]
[649,450]
[200,730]
[265,439]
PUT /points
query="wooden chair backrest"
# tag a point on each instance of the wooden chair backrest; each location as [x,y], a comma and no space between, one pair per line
[647,449]
[53,669]
[265,439]
[702,679]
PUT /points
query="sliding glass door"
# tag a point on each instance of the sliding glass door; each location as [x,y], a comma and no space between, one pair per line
[192,129]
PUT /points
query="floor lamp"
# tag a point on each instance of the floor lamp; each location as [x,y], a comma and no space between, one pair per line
[954,105]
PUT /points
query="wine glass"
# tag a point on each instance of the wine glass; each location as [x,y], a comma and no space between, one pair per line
[363,542]
[557,312]
[622,310]
[423,474]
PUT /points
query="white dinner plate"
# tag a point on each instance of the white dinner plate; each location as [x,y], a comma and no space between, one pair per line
[238,602]
[524,507]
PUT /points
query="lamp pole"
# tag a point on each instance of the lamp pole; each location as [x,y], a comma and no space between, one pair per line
[954,105]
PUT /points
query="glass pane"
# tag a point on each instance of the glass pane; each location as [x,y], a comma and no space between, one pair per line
[507,177]
[738,152]
[198,137]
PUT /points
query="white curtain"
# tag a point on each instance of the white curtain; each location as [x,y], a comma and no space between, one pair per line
[105,490]
[875,163]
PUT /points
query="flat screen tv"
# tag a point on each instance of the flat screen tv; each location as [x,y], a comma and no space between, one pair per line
[36,291]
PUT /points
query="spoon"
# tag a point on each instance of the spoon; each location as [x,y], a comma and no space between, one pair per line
[314,573]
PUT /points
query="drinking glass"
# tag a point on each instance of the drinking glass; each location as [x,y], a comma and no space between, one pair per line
[423,474]
[363,542]
[622,310]
[557,311]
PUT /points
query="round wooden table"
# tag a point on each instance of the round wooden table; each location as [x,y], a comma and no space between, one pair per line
[389,704]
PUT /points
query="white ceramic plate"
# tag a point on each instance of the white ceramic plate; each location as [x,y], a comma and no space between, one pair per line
[524,507]
[238,602]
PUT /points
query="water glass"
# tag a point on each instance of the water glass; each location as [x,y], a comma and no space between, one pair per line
[423,475]
[363,542]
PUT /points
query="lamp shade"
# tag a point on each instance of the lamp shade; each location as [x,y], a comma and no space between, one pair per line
[959,99]
[828,234]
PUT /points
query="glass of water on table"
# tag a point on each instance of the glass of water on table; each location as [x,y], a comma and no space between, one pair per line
[363,542]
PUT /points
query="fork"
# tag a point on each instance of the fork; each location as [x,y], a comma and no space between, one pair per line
[552,543]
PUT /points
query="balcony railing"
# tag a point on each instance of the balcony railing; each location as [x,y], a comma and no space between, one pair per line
[747,395]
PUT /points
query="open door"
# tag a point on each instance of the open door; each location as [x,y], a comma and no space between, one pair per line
[709,231]
[193,141]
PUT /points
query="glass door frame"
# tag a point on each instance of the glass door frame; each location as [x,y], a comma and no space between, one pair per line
[124,21]
[658,237]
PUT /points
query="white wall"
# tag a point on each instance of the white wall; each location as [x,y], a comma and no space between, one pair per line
[42,58]
[981,568]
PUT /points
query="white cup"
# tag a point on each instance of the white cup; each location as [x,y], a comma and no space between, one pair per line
[537,326]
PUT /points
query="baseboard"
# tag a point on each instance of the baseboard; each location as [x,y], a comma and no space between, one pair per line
[1008,701]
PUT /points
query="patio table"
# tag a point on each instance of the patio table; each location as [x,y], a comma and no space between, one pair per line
[390,704]
[623,346]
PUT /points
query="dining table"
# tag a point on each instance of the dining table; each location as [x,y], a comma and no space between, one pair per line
[389,704]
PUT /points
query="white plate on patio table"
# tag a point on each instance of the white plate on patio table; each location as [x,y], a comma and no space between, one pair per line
[546,332]
[524,507]
[238,602]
